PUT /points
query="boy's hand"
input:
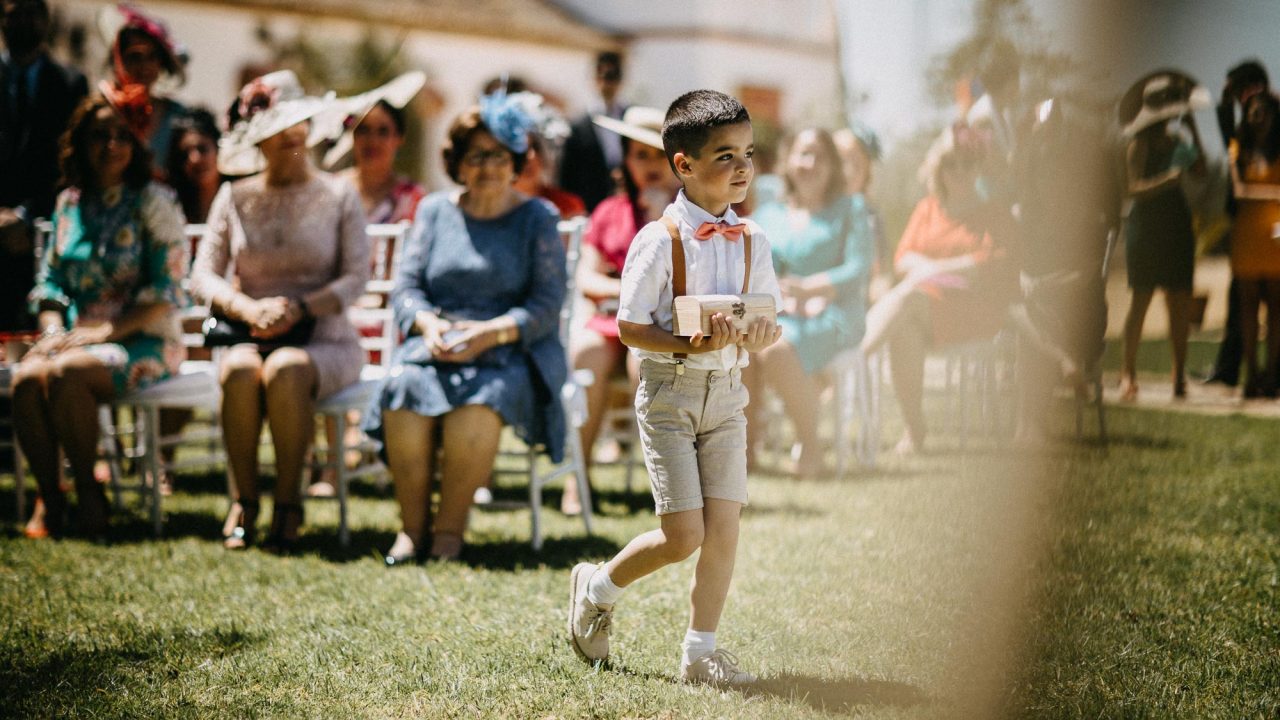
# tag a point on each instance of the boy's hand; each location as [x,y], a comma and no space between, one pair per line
[762,333]
[723,334]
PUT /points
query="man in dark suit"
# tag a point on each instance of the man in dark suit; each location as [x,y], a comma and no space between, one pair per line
[1243,82]
[592,155]
[37,97]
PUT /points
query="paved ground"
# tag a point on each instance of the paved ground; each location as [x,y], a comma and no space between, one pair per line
[1212,279]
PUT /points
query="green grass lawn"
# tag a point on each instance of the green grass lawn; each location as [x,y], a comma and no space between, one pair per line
[1134,581]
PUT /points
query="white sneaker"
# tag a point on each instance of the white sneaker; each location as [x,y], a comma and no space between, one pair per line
[719,667]
[589,624]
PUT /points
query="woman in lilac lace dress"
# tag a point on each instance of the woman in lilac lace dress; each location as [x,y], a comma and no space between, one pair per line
[296,239]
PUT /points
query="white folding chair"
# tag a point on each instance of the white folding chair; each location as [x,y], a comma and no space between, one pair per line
[194,388]
[857,398]
[573,397]
[977,380]
[386,244]
[10,443]
[42,231]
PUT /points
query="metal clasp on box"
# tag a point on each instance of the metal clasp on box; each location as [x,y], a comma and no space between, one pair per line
[739,310]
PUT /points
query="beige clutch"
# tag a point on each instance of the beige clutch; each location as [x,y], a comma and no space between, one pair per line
[692,313]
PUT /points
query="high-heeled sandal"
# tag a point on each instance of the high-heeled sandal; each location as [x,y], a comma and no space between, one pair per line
[240,528]
[286,519]
[446,547]
[395,558]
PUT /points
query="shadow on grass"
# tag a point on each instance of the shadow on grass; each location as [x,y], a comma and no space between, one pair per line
[833,696]
[517,554]
[837,696]
[604,501]
[322,541]
[215,483]
[1142,442]
[86,678]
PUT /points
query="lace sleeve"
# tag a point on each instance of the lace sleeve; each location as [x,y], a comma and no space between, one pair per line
[539,316]
[353,249]
[214,254]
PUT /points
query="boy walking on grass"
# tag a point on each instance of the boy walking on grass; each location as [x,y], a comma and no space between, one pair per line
[690,401]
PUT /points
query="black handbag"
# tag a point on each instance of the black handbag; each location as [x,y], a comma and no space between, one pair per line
[221,331]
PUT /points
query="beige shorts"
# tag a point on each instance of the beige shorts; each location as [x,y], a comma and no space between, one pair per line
[694,435]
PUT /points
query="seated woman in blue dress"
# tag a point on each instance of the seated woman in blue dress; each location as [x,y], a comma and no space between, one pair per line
[823,250]
[478,296]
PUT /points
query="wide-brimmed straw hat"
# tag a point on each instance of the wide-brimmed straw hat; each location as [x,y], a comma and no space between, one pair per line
[642,124]
[340,120]
[268,105]
[1159,96]
[114,18]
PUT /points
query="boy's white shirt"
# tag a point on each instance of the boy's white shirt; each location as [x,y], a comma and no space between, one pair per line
[712,267]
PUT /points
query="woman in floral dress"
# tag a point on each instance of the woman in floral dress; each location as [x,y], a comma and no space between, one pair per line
[111,275]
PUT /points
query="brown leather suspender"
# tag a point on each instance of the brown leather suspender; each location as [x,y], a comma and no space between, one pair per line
[678,265]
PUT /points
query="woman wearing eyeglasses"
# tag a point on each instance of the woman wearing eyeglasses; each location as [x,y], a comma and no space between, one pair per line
[478,294]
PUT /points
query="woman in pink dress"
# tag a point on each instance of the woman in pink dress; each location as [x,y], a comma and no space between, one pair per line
[649,186]
[296,239]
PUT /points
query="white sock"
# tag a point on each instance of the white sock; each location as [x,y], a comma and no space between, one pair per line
[601,590]
[696,644]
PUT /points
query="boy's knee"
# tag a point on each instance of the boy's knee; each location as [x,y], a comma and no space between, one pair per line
[682,540]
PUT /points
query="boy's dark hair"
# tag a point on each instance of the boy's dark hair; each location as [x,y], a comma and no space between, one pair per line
[693,116]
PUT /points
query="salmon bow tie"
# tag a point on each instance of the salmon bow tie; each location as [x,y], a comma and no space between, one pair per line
[707,230]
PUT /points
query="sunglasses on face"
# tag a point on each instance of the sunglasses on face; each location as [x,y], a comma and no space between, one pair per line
[480,158]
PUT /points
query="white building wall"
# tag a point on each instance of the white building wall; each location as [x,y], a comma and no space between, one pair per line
[660,69]
[662,64]
[222,40]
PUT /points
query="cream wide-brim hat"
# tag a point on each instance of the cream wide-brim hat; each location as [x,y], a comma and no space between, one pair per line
[1158,97]
[238,152]
[332,123]
[642,124]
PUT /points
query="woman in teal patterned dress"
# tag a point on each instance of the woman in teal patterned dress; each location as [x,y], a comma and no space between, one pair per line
[823,249]
[106,297]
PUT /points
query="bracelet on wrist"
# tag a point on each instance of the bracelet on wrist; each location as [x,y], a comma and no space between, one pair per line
[303,307]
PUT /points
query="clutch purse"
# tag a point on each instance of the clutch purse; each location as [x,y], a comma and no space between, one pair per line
[221,331]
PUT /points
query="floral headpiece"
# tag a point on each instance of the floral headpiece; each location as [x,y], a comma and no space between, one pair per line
[255,97]
[508,119]
[266,106]
[128,17]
